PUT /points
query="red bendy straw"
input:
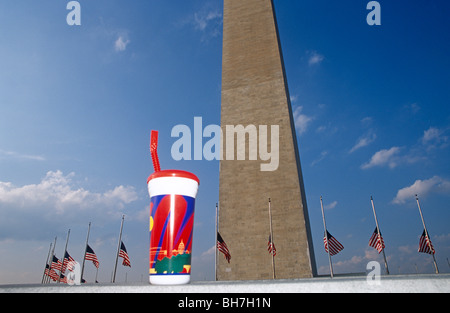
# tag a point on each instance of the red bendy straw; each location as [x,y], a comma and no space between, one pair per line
[154,150]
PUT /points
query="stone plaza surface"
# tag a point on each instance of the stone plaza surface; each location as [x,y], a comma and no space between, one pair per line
[358,284]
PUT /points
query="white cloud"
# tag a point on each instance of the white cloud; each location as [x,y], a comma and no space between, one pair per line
[208,22]
[121,43]
[366,121]
[363,142]
[413,108]
[330,206]
[422,188]
[444,238]
[355,263]
[322,156]
[383,158]
[354,260]
[315,58]
[434,137]
[203,19]
[301,120]
[16,155]
[431,134]
[408,249]
[32,209]
[209,252]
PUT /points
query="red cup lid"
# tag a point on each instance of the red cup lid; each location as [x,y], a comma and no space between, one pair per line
[173,173]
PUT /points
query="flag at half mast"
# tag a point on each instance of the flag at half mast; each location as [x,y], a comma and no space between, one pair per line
[335,246]
[67,262]
[91,256]
[271,247]
[124,254]
[425,245]
[222,247]
[56,263]
[51,273]
[376,241]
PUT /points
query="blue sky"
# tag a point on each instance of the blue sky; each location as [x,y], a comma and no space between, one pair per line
[77,104]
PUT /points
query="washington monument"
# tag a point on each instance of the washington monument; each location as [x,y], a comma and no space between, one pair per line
[255,92]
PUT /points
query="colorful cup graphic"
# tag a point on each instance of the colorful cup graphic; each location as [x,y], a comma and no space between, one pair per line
[172,195]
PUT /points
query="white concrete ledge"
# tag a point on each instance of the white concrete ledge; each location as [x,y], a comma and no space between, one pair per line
[387,284]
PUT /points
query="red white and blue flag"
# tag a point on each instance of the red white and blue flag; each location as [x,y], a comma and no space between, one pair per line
[124,254]
[91,256]
[56,264]
[51,273]
[271,247]
[222,247]
[425,245]
[68,262]
[335,246]
[376,241]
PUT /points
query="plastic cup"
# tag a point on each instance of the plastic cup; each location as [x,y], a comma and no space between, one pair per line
[172,195]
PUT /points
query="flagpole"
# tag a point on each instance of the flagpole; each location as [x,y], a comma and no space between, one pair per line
[326,237]
[426,233]
[96,274]
[379,235]
[51,259]
[85,251]
[272,241]
[118,249]
[63,258]
[46,262]
[215,241]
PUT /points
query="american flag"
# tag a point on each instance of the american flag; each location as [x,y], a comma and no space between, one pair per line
[63,279]
[124,254]
[51,273]
[271,247]
[335,246]
[67,262]
[56,264]
[425,245]
[91,256]
[222,246]
[376,241]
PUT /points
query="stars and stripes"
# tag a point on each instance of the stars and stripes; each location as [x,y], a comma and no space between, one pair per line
[271,247]
[376,241]
[51,273]
[425,245]
[124,254]
[331,245]
[222,247]
[335,246]
[56,264]
[68,262]
[91,256]
[63,278]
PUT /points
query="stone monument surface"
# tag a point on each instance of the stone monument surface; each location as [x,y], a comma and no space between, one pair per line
[255,92]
